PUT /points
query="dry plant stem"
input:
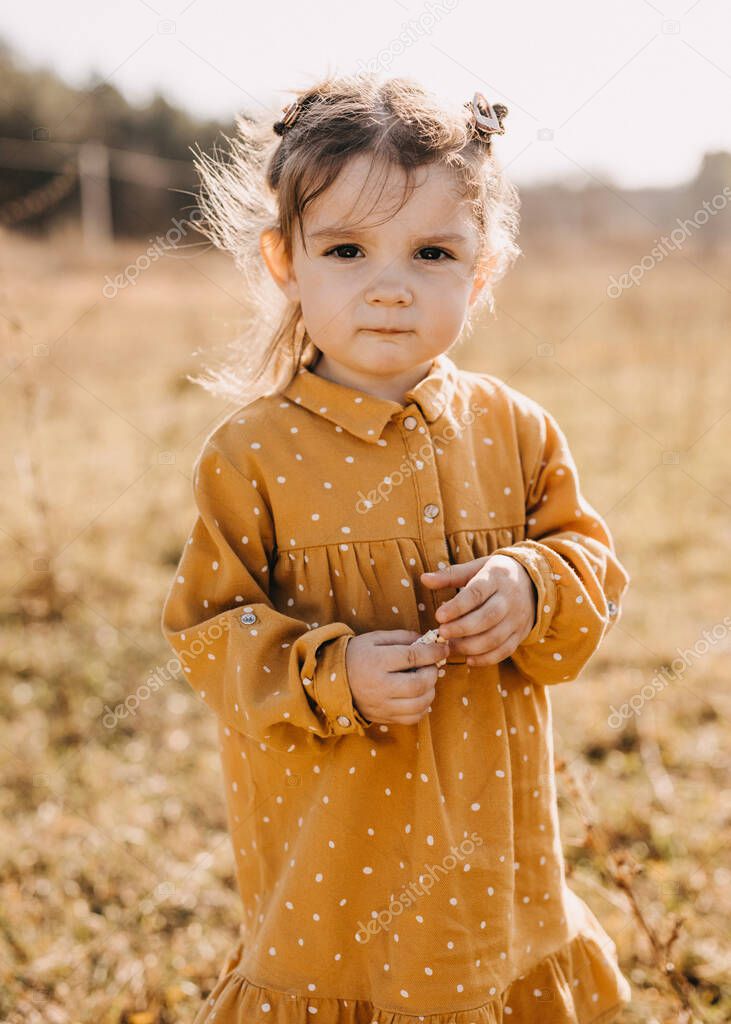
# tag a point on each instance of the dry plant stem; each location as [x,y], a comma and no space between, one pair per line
[31,478]
[662,784]
[623,868]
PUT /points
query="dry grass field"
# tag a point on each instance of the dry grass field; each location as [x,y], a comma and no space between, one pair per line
[117,896]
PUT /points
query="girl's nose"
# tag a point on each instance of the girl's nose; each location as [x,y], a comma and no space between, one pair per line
[388,294]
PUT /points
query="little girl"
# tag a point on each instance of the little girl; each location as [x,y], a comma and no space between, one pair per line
[392,803]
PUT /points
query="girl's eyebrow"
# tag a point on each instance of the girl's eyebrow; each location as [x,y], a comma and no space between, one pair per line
[335,232]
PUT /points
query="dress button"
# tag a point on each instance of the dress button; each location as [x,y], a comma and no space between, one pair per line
[343,720]
[410,422]
[247,618]
[431,511]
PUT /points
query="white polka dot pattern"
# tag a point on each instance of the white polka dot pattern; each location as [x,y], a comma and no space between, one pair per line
[390,871]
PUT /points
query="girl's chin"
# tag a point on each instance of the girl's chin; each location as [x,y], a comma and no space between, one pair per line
[397,343]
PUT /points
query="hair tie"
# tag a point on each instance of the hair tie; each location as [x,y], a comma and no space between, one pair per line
[486,120]
[291,113]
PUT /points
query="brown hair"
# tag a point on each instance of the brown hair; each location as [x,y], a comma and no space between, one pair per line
[275,171]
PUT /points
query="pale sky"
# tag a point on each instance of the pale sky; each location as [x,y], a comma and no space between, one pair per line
[631,92]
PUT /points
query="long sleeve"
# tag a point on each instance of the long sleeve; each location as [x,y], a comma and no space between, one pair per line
[569,554]
[263,673]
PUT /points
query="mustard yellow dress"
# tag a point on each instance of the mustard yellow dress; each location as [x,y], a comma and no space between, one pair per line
[393,873]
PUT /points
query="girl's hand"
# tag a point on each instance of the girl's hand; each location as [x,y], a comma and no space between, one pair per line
[391,680]
[494,611]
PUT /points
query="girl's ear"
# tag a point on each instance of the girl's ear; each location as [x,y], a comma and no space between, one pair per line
[271,246]
[482,276]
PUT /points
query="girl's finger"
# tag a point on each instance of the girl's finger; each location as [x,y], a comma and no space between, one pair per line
[412,657]
[453,575]
[481,619]
[486,641]
[477,593]
[387,637]
[499,654]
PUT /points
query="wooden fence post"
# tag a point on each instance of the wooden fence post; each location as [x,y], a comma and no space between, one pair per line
[96,205]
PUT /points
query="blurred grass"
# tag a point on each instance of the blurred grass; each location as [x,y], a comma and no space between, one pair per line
[117,895]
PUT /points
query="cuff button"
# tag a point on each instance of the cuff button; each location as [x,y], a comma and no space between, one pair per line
[344,721]
[612,608]
[247,618]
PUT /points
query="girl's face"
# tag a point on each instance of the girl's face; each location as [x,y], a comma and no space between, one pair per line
[413,273]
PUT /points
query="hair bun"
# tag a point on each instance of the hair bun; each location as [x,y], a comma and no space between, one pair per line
[291,113]
[486,120]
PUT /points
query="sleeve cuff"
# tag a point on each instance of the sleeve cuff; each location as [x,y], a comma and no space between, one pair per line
[327,684]
[539,569]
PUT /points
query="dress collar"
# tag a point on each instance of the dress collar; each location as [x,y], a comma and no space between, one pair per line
[366,415]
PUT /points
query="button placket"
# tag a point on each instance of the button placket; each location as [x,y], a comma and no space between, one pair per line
[429,499]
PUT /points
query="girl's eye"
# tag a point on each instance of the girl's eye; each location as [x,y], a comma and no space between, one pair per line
[338,249]
[437,249]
